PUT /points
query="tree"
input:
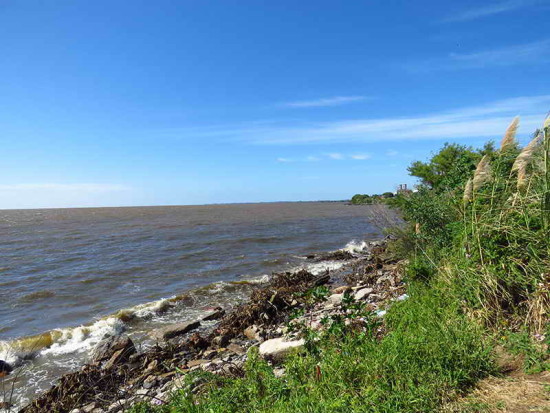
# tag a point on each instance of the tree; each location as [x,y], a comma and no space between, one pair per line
[450,167]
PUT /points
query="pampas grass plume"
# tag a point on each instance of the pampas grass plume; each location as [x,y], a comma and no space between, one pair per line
[468,191]
[482,173]
[509,139]
[523,160]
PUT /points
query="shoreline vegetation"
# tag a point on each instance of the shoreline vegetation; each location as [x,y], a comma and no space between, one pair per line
[449,313]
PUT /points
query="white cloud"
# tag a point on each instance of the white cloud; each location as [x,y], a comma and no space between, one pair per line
[360,157]
[391,152]
[490,10]
[535,52]
[82,187]
[482,121]
[328,156]
[333,101]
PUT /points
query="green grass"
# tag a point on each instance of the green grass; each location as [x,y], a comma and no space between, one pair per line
[431,352]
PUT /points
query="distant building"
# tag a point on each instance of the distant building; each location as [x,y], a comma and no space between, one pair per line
[402,189]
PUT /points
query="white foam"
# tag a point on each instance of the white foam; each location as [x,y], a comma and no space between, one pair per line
[83,338]
[355,246]
[320,267]
[7,353]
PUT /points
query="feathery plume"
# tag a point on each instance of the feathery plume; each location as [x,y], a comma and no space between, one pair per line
[509,139]
[547,122]
[523,160]
[482,173]
[468,191]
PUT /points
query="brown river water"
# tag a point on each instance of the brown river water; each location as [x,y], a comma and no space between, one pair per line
[70,276]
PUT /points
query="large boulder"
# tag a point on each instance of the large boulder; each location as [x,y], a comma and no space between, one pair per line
[174,330]
[277,349]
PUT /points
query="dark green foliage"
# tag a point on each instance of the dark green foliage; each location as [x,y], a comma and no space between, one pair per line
[450,167]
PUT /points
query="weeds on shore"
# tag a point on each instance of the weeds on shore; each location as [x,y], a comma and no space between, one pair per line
[478,277]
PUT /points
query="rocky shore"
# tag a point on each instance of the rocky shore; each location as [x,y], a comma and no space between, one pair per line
[119,376]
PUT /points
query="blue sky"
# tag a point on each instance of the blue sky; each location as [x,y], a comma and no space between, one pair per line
[121,102]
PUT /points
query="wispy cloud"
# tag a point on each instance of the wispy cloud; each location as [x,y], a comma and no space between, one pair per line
[82,187]
[535,52]
[334,156]
[506,56]
[332,101]
[489,10]
[483,121]
[360,157]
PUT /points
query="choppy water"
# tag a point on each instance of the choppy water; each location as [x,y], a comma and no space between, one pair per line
[68,276]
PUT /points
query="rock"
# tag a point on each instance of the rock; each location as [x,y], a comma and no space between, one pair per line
[118,357]
[152,365]
[89,407]
[210,354]
[174,330]
[149,382]
[279,372]
[235,348]
[142,392]
[334,300]
[220,341]
[111,345]
[196,341]
[360,294]
[194,363]
[252,333]
[72,411]
[117,406]
[278,348]
[342,289]
[215,314]
[5,368]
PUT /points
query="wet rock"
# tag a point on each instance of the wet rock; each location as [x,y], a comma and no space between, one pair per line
[360,294]
[106,349]
[278,348]
[5,368]
[215,314]
[174,330]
